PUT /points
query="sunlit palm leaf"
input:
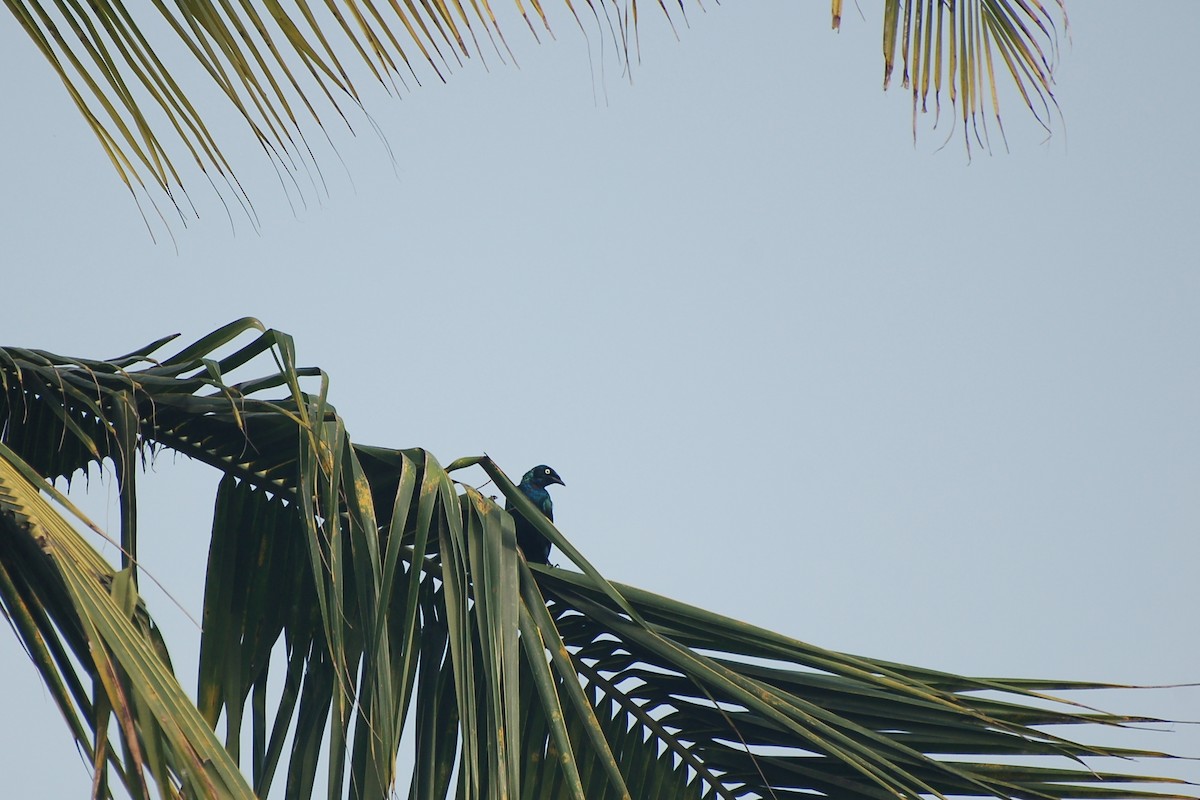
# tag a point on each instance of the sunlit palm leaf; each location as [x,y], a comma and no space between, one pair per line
[64,581]
[953,46]
[137,73]
[379,587]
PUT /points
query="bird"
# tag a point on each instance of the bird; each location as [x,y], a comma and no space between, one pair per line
[535,546]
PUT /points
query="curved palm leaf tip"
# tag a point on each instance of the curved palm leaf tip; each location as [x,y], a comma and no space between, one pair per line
[124,68]
[407,594]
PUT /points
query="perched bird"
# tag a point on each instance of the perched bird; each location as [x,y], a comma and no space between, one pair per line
[535,546]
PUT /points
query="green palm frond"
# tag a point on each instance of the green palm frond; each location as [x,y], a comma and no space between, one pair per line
[80,620]
[138,74]
[356,596]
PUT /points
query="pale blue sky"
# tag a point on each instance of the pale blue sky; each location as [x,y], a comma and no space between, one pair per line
[792,367]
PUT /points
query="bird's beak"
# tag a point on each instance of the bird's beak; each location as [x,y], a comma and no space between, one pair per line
[557,480]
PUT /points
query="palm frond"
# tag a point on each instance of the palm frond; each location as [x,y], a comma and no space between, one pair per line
[953,47]
[79,618]
[395,602]
[137,74]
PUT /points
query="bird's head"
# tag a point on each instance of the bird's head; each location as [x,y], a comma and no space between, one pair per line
[542,476]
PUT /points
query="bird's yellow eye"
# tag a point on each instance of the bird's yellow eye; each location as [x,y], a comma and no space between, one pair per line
[547,472]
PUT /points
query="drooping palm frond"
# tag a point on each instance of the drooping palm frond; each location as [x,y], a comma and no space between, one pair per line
[395,603]
[138,73]
[81,623]
[955,45]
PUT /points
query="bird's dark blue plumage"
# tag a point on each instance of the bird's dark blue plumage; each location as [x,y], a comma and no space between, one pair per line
[535,546]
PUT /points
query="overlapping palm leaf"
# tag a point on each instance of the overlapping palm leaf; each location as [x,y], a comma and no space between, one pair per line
[100,656]
[958,47]
[138,72]
[358,596]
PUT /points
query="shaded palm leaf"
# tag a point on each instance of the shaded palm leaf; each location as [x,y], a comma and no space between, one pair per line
[394,601]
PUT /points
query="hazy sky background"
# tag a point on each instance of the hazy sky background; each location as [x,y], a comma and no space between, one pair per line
[792,367]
